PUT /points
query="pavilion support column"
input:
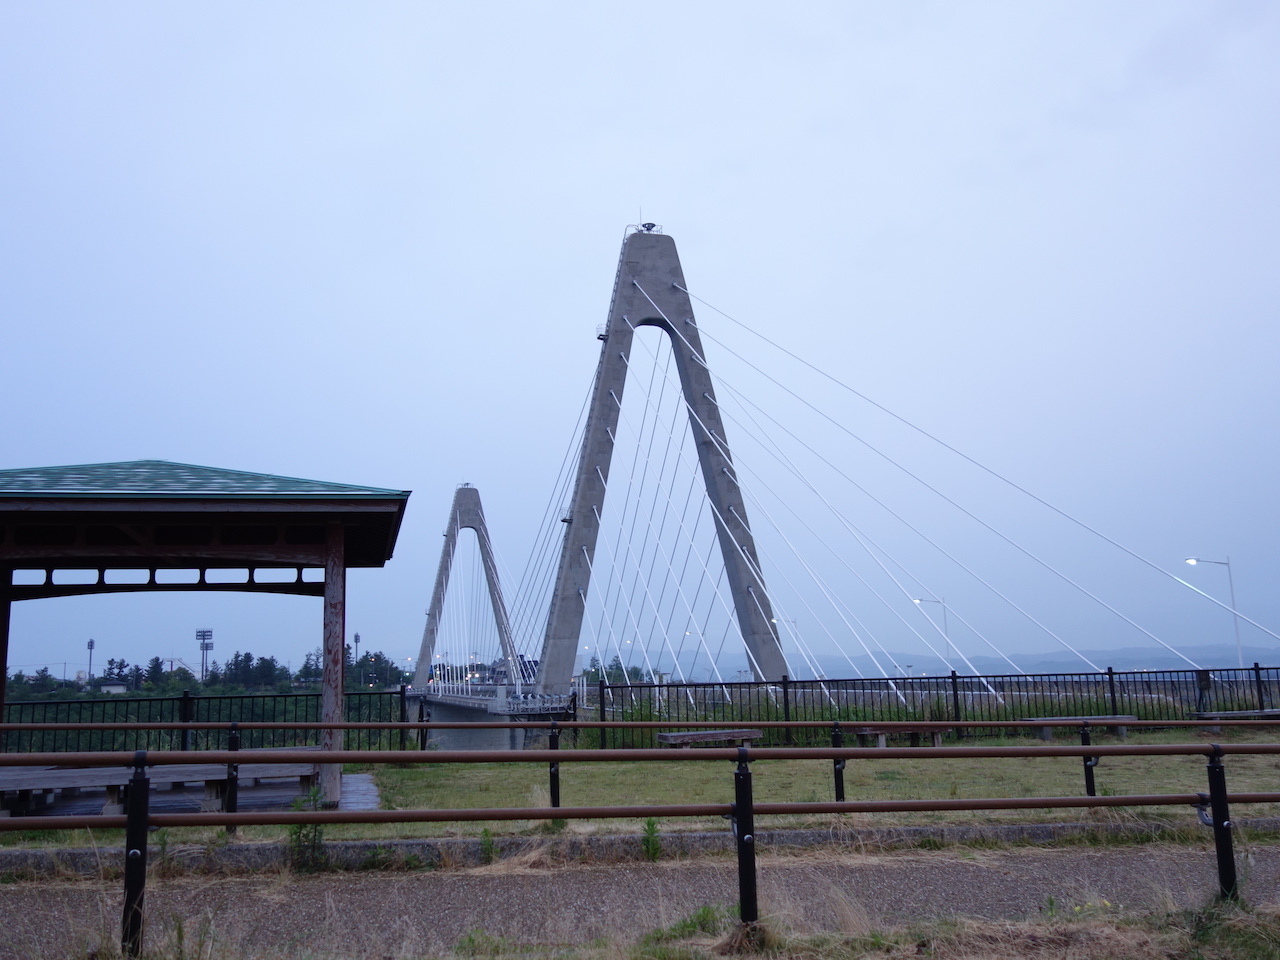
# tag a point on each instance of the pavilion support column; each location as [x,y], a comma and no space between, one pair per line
[6,601]
[335,660]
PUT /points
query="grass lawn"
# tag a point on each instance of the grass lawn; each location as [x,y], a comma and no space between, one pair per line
[607,784]
[458,786]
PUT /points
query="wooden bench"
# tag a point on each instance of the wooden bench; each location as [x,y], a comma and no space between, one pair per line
[882,734]
[37,785]
[690,737]
[1115,723]
[1234,715]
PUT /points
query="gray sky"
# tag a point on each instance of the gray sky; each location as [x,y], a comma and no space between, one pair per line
[372,245]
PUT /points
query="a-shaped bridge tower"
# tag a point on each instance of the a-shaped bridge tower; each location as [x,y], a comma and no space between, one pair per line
[649,290]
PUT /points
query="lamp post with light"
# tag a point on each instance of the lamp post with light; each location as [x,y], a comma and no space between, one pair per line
[1231,587]
[946,634]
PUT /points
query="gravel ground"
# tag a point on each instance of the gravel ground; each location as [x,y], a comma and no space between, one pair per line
[396,914]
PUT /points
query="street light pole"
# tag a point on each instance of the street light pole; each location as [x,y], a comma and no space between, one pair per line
[91,659]
[1231,587]
[946,634]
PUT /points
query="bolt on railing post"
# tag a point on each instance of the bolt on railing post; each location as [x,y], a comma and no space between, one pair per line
[1111,684]
[1089,762]
[554,765]
[135,857]
[786,707]
[1257,684]
[837,741]
[1228,888]
[186,713]
[231,800]
[744,832]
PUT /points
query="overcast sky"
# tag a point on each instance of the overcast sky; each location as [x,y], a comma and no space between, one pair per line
[371,244]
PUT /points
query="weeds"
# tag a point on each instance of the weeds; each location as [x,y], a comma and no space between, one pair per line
[488,849]
[306,840]
[651,842]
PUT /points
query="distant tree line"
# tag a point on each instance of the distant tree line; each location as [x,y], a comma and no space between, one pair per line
[615,672]
[242,673]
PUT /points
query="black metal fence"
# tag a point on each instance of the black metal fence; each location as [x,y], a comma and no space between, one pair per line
[1145,694]
[378,707]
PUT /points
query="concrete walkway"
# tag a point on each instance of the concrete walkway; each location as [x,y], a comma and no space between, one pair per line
[410,913]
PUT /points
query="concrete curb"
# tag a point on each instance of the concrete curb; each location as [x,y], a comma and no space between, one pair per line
[237,858]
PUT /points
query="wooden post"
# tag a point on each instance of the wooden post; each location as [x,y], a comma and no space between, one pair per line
[6,581]
[335,660]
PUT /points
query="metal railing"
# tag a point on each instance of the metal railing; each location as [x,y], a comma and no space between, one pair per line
[1213,807]
[89,725]
[1145,694]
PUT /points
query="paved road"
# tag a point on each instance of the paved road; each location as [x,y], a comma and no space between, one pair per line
[394,914]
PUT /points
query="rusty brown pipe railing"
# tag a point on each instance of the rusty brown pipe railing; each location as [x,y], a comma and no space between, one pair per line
[741,812]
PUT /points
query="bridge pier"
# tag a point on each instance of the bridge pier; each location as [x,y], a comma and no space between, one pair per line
[480,738]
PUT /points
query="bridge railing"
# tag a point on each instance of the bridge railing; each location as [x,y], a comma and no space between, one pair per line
[302,708]
[1145,694]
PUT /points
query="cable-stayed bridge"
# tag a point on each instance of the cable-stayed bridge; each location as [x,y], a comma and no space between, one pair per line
[666,553]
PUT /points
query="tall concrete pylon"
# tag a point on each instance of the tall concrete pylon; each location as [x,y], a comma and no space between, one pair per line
[466,512]
[649,290]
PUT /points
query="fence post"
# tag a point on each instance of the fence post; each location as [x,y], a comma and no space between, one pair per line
[135,857]
[1089,762]
[1228,888]
[837,741]
[955,701]
[423,717]
[1257,683]
[231,800]
[554,766]
[404,713]
[786,707]
[744,832]
[186,713]
[1111,684]
[603,745]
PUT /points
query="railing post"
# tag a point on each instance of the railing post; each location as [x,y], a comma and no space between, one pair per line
[423,733]
[554,766]
[786,707]
[744,832]
[1257,683]
[231,799]
[837,766]
[404,713]
[603,745]
[955,702]
[1228,888]
[135,857]
[1111,684]
[186,713]
[1089,762]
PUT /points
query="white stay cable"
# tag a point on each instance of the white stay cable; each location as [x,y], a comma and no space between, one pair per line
[657,539]
[852,528]
[953,503]
[985,469]
[805,652]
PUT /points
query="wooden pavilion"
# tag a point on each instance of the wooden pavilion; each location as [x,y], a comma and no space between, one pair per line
[116,519]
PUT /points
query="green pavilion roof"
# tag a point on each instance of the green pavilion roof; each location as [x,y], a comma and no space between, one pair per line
[153,514]
[162,479]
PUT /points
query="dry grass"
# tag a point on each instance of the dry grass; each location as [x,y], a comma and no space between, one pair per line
[1214,933]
